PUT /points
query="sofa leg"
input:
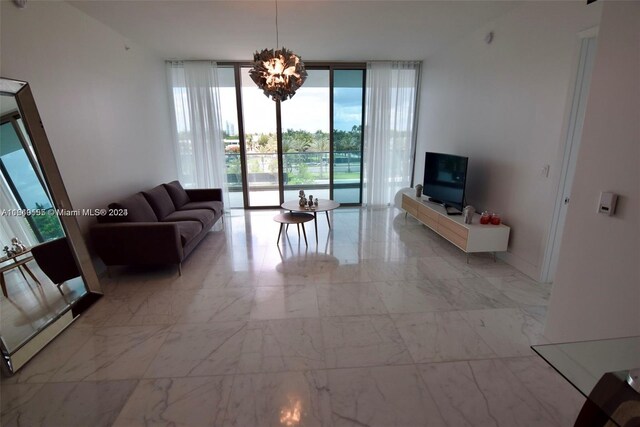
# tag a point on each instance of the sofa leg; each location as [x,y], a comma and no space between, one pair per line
[179,269]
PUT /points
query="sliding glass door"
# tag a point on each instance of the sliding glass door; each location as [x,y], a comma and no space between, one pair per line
[306,138]
[260,144]
[311,142]
[231,135]
[348,102]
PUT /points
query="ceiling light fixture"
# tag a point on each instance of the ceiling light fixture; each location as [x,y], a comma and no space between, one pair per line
[278,73]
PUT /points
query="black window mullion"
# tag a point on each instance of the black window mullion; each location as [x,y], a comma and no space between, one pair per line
[364,99]
[243,163]
[331,157]
[279,149]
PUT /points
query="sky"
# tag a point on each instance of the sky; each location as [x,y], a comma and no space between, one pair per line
[19,168]
[24,178]
[308,109]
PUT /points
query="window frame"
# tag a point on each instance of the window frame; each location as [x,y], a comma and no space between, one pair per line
[316,65]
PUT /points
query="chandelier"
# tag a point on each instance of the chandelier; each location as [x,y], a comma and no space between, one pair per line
[279,73]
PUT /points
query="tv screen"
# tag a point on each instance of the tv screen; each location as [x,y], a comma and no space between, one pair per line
[445,177]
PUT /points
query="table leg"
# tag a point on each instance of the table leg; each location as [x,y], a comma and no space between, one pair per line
[22,272]
[31,274]
[315,221]
[3,284]
[328,222]
[280,233]
[298,225]
[305,235]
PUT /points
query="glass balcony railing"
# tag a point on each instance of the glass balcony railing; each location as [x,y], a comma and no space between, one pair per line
[308,169]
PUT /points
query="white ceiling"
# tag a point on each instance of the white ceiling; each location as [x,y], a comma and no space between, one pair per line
[317,30]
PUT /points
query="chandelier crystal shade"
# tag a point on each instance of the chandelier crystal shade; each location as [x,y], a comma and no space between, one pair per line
[278,73]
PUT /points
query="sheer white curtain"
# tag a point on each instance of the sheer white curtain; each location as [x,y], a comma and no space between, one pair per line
[389,130]
[13,226]
[196,121]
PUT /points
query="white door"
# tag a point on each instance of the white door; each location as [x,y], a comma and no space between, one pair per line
[574,135]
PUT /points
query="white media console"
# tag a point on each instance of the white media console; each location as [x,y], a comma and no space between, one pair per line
[470,238]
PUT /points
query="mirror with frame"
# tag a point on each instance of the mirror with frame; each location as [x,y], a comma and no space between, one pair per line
[46,274]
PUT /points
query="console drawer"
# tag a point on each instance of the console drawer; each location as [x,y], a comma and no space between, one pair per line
[453,237]
[425,211]
[453,227]
[427,220]
[409,205]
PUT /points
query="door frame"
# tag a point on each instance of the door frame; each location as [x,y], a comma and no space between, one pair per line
[571,148]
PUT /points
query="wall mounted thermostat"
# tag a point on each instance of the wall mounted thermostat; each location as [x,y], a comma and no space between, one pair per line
[607,203]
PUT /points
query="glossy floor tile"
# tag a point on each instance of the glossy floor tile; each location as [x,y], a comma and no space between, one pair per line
[279,399]
[282,345]
[441,336]
[65,404]
[381,396]
[113,353]
[379,323]
[285,302]
[363,341]
[412,297]
[194,349]
[483,392]
[200,401]
[349,299]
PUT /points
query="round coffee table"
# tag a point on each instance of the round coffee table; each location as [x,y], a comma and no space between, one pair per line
[293,218]
[324,205]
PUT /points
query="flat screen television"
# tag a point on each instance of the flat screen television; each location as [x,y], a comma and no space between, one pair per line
[445,177]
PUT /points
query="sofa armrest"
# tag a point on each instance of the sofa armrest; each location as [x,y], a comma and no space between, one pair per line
[204,194]
[137,243]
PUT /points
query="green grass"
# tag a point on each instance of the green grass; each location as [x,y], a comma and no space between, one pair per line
[346,175]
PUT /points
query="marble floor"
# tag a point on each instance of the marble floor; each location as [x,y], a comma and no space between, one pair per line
[381,323]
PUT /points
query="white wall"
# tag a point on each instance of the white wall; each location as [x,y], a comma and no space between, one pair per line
[597,288]
[505,106]
[105,108]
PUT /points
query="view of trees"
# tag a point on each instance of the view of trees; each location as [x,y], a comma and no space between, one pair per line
[47,224]
[306,154]
[298,141]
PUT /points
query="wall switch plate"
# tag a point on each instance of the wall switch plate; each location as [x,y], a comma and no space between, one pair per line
[607,204]
[545,171]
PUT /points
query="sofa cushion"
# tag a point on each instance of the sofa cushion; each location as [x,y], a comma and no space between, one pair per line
[203,216]
[188,230]
[214,206]
[138,209]
[177,194]
[160,201]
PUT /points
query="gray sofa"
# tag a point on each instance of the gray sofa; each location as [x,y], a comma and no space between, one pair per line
[163,225]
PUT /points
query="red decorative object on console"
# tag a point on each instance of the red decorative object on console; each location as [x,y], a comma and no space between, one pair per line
[485,218]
